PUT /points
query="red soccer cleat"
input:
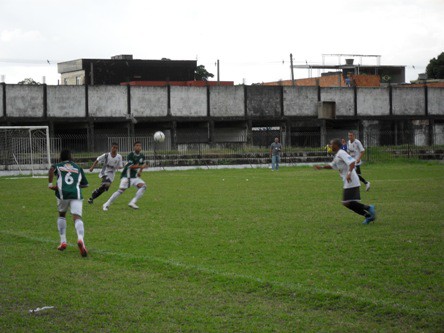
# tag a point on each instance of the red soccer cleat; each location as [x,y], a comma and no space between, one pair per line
[62,246]
[82,248]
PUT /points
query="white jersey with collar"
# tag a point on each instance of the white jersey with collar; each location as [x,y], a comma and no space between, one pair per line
[355,149]
[110,165]
[341,162]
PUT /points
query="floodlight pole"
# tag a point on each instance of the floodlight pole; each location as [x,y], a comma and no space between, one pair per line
[291,67]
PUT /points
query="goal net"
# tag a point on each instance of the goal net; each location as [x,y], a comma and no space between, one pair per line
[24,149]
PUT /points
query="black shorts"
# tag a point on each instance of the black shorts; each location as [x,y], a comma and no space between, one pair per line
[351,194]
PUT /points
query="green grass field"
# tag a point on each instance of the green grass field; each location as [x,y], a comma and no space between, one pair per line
[230,251]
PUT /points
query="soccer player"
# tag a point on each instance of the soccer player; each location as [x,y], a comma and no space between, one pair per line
[111,161]
[345,164]
[275,154]
[356,150]
[70,180]
[131,177]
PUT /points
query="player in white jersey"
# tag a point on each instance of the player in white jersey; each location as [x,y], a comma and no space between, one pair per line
[111,161]
[345,164]
[356,150]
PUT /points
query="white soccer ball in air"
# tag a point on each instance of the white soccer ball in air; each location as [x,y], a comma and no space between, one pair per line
[159,136]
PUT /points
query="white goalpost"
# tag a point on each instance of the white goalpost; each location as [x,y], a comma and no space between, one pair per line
[24,149]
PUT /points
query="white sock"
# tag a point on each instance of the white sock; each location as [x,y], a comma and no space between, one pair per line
[139,194]
[79,227]
[113,197]
[61,224]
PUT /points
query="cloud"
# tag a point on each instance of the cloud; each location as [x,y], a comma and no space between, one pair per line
[17,35]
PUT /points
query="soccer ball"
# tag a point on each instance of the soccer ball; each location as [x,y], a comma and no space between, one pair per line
[159,136]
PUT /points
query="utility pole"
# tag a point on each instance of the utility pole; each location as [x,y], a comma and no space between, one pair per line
[291,67]
[218,77]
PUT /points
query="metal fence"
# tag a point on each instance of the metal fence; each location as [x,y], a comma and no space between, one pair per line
[380,145]
[305,147]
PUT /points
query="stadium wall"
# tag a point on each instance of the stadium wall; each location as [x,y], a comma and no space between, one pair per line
[24,101]
[263,101]
[21,102]
[64,101]
[149,101]
[408,102]
[189,101]
[221,113]
[435,98]
[373,101]
[343,97]
[107,101]
[300,101]
[227,101]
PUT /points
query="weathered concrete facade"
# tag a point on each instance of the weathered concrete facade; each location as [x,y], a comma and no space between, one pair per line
[435,98]
[189,101]
[227,101]
[116,104]
[408,101]
[343,97]
[24,101]
[63,101]
[224,113]
[149,101]
[300,101]
[373,102]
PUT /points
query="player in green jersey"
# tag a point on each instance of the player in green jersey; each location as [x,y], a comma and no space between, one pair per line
[70,180]
[131,177]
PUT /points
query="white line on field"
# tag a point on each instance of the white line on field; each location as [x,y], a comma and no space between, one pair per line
[292,286]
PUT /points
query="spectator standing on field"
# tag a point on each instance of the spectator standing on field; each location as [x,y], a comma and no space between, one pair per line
[131,177]
[275,154]
[70,180]
[356,150]
[111,161]
[343,144]
[345,164]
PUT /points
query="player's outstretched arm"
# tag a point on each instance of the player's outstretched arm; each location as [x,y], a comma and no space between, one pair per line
[325,166]
[93,166]
[143,166]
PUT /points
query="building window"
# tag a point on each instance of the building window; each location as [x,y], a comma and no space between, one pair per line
[65,81]
[78,80]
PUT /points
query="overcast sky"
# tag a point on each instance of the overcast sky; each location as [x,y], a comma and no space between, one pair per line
[252,39]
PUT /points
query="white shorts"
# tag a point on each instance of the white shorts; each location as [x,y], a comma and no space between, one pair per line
[109,176]
[75,204]
[134,182]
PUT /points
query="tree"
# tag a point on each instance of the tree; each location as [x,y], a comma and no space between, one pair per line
[29,81]
[435,68]
[201,74]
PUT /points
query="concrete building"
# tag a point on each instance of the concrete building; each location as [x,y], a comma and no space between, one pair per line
[124,68]
[347,75]
[301,115]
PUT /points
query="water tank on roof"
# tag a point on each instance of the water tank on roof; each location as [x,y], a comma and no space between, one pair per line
[349,61]
[422,76]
